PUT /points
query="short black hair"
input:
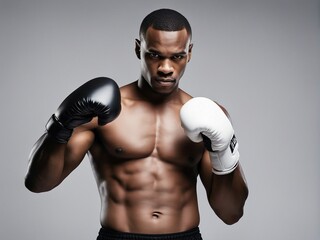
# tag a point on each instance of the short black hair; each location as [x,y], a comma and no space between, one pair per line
[165,20]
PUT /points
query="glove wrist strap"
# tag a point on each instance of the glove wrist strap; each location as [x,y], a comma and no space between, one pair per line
[225,161]
[56,129]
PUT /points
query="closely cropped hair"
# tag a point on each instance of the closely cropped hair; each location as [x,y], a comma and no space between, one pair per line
[165,20]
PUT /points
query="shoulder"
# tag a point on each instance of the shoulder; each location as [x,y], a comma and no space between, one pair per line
[184,96]
[130,92]
[223,109]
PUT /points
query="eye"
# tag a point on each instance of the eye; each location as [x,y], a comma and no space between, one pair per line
[153,55]
[178,57]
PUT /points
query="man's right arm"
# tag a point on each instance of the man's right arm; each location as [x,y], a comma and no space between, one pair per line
[50,162]
[69,133]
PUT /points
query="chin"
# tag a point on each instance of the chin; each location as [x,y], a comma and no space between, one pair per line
[165,91]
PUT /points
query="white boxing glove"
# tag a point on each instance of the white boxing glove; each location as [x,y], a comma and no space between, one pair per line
[203,120]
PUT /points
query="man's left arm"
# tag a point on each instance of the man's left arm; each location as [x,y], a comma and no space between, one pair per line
[220,170]
[227,193]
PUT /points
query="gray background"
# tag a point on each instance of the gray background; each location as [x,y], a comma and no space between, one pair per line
[260,59]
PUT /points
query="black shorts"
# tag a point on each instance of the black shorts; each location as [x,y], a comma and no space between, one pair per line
[109,234]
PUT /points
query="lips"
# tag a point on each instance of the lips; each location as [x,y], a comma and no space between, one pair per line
[165,80]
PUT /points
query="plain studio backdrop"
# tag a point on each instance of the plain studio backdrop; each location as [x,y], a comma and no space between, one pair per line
[260,59]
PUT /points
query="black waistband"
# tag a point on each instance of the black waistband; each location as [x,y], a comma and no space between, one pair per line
[110,234]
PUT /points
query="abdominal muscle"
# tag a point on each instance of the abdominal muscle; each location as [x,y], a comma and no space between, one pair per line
[148,196]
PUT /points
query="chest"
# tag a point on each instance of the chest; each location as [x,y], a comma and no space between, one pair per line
[141,131]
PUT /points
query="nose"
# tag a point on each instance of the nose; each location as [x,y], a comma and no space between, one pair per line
[165,68]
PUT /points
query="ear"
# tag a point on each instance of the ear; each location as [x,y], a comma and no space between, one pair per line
[138,48]
[190,51]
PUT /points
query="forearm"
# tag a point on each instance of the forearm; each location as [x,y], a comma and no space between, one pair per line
[46,162]
[228,195]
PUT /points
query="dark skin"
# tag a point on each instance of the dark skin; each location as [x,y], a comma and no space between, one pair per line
[145,167]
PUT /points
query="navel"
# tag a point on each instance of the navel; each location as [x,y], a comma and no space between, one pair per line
[156,215]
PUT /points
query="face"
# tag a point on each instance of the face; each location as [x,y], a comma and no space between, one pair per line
[164,56]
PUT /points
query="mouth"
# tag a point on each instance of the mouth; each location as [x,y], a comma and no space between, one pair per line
[165,81]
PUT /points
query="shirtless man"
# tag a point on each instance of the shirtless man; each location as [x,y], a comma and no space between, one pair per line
[147,142]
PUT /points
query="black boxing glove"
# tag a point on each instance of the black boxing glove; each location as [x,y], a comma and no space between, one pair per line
[98,97]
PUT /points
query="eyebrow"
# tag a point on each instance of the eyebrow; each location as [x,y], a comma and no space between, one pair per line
[157,52]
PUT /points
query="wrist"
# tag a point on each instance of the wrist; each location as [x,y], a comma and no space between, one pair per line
[225,161]
[57,130]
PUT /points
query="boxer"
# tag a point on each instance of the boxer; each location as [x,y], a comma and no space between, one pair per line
[148,142]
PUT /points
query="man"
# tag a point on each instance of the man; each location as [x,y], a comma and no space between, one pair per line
[147,142]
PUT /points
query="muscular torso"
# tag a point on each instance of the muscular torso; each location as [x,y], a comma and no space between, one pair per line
[146,168]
